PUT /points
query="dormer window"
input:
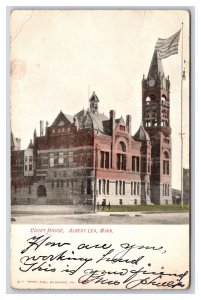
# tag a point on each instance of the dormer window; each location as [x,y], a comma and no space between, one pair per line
[122,127]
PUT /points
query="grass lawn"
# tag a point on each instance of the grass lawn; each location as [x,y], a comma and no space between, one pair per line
[160,208]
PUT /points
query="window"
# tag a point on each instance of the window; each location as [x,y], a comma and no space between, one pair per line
[135,201]
[89,187]
[135,188]
[166,189]
[120,202]
[25,167]
[138,188]
[67,183]
[116,187]
[26,158]
[64,173]
[55,173]
[30,158]
[51,160]
[30,167]
[131,188]
[124,188]
[122,127]
[118,161]
[144,166]
[104,159]
[62,183]
[57,183]
[99,186]
[120,187]
[70,158]
[107,160]
[61,158]
[108,187]
[52,184]
[29,189]
[82,187]
[121,161]
[104,183]
[166,167]
[135,163]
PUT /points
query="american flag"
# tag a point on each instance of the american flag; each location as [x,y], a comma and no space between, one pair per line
[167,47]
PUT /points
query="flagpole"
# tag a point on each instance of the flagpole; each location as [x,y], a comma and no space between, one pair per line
[182,200]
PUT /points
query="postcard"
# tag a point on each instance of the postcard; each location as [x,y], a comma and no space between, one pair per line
[100,162]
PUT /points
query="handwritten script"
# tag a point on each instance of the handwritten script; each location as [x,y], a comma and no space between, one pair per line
[105,265]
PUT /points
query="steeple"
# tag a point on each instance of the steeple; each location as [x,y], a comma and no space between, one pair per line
[156,68]
[93,101]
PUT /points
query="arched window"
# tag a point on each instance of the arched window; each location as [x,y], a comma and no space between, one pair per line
[166,154]
[166,163]
[121,157]
[163,98]
[153,97]
[121,147]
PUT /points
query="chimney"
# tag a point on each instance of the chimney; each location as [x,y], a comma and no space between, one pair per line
[128,122]
[47,124]
[18,140]
[112,120]
[41,127]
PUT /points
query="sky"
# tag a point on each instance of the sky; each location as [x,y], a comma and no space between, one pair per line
[58,58]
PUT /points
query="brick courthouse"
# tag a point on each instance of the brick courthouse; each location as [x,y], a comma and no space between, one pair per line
[91,158]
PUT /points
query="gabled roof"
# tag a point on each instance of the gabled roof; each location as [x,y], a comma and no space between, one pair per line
[141,135]
[120,121]
[66,119]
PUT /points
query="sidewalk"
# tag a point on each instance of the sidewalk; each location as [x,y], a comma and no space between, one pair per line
[77,210]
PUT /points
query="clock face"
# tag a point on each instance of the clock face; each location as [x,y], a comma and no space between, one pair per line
[151,82]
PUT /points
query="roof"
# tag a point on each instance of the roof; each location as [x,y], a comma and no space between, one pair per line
[93,98]
[30,145]
[141,135]
[69,117]
[156,67]
[64,118]
[97,120]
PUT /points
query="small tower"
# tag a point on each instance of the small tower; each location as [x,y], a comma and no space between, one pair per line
[93,101]
[156,121]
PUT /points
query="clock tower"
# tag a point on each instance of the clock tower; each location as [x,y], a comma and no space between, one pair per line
[156,121]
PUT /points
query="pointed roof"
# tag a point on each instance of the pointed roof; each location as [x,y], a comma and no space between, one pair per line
[156,67]
[94,98]
[30,145]
[141,135]
[120,121]
[13,140]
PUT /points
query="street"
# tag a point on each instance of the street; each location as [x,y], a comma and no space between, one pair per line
[57,215]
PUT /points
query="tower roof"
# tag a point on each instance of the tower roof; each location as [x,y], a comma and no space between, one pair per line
[93,98]
[141,134]
[156,68]
[30,145]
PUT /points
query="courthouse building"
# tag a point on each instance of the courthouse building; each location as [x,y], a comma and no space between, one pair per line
[91,158]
